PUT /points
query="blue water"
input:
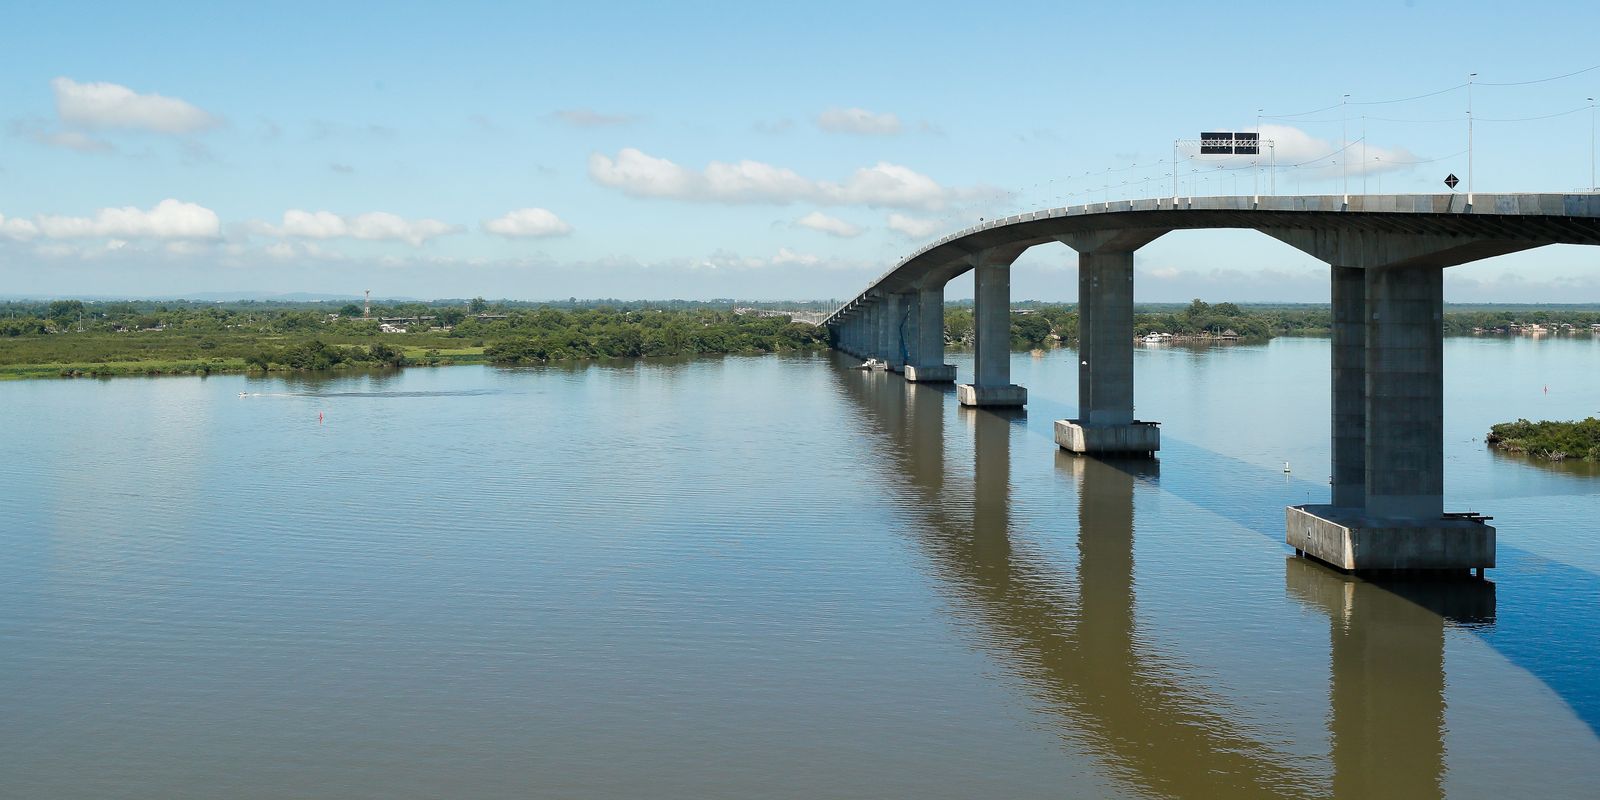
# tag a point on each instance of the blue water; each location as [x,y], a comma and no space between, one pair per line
[771,576]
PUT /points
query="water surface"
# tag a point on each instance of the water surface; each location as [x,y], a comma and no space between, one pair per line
[771,576]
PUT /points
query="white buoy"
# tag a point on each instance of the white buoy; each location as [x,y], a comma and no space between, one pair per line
[1286,467]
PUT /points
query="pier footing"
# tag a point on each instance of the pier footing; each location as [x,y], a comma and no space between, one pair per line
[1007,396]
[943,373]
[1137,438]
[1348,539]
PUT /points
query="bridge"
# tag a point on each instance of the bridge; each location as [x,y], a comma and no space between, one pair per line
[1387,255]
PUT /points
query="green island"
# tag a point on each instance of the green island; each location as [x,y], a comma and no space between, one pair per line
[73,338]
[1549,440]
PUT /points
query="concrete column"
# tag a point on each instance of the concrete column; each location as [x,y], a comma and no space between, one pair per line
[992,325]
[1105,338]
[929,366]
[1349,387]
[908,329]
[1405,392]
[894,331]
[991,385]
[880,331]
[1105,423]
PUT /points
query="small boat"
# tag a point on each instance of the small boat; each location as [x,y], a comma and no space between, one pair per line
[1152,338]
[243,395]
[872,363]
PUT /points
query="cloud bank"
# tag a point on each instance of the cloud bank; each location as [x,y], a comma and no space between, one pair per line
[371,226]
[885,185]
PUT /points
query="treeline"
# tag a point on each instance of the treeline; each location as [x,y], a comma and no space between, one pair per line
[1550,440]
[1039,325]
[73,338]
[1461,323]
[555,335]
[33,318]
[319,355]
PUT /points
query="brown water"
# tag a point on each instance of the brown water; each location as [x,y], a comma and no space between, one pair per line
[772,577]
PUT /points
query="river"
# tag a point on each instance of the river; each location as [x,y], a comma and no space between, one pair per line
[773,577]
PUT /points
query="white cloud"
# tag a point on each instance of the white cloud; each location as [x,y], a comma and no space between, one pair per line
[889,185]
[882,185]
[726,260]
[18,229]
[371,226]
[1319,157]
[914,227]
[169,219]
[528,222]
[858,120]
[108,105]
[589,118]
[832,226]
[787,257]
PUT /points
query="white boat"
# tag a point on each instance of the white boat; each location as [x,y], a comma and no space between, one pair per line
[1152,338]
[872,363]
[243,395]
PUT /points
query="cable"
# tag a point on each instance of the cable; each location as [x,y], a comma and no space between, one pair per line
[1528,119]
[1542,80]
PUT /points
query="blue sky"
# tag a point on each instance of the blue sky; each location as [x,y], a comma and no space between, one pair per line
[737,150]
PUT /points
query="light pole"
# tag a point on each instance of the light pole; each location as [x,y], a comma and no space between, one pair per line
[1379,169]
[1470,76]
[1363,153]
[1591,144]
[1255,166]
[1344,145]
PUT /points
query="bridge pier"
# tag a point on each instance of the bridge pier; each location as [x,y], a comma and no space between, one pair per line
[991,385]
[925,356]
[893,308]
[1387,509]
[1105,423]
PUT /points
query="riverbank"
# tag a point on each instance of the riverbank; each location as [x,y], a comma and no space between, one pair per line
[70,338]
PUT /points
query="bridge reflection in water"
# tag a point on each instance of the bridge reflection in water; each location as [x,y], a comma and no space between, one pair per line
[1072,635]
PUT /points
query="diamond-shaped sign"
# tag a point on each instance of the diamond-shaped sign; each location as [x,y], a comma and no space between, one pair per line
[1451,180]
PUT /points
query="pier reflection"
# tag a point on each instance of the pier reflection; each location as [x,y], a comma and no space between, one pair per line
[1387,681]
[1071,632]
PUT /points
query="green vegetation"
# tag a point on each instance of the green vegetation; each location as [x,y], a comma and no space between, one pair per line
[73,338]
[1553,441]
[553,335]
[1509,320]
[1038,325]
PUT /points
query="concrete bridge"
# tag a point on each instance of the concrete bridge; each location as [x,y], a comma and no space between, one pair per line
[1387,255]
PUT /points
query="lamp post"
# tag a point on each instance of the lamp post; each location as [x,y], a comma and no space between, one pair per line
[1470,76]
[1344,145]
[1255,165]
[1591,144]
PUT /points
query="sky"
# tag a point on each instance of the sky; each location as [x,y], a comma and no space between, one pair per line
[741,150]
